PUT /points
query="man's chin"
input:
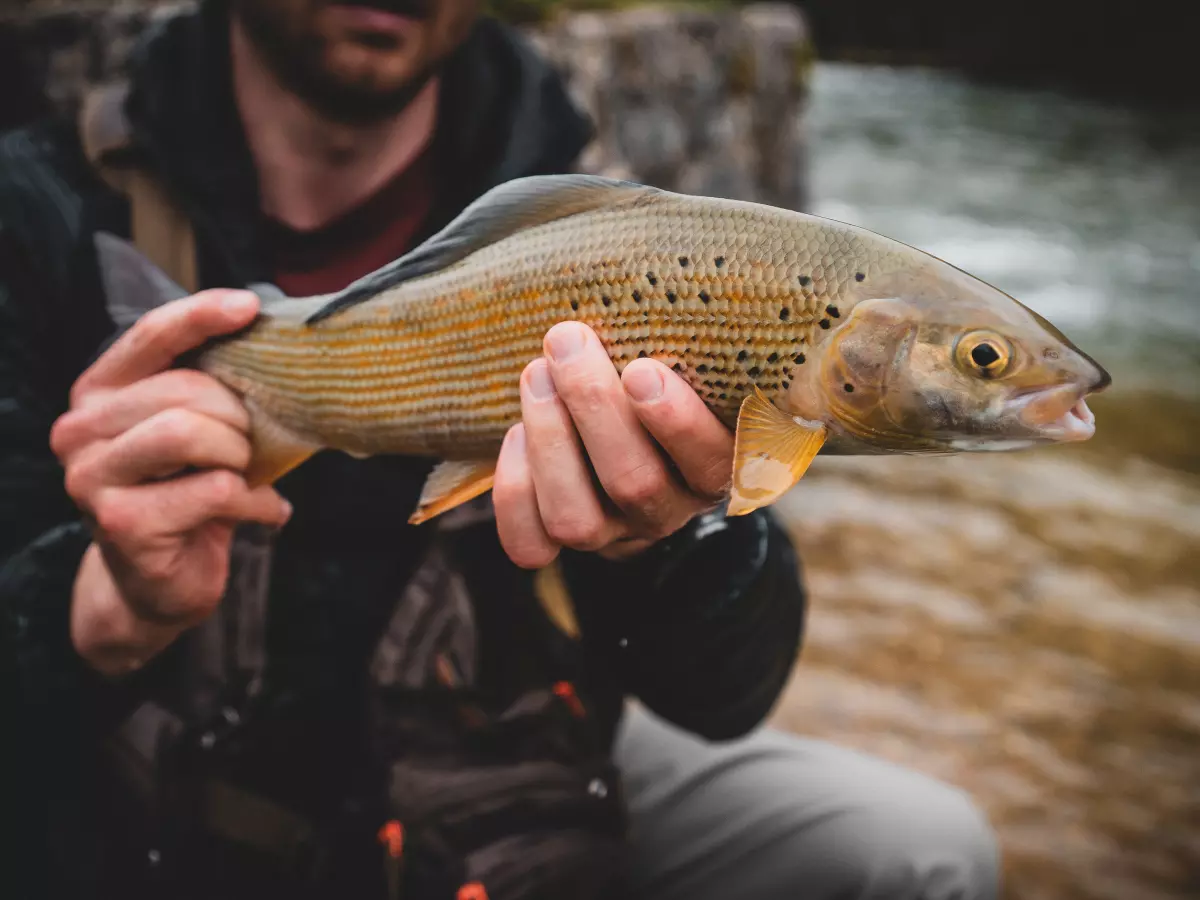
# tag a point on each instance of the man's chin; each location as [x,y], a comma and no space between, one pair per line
[362,101]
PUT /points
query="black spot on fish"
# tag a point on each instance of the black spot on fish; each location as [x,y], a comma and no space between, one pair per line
[804,281]
[785,314]
[754,371]
[859,276]
[833,311]
[702,368]
[774,357]
[650,277]
[722,396]
[695,338]
[741,356]
[720,261]
[683,261]
[575,304]
[677,367]
[786,384]
[670,296]
[849,388]
[799,358]
[637,296]
[607,301]
[704,296]
[825,324]
[641,354]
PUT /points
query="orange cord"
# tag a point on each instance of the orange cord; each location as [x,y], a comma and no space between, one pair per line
[566,691]
[392,836]
[472,891]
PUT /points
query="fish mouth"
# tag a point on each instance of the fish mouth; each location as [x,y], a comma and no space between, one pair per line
[1059,414]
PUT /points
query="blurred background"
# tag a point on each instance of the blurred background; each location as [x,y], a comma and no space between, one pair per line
[1025,626]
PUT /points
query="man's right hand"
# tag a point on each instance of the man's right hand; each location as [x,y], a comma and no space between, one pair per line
[154,457]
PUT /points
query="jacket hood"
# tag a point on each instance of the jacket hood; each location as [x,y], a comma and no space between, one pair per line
[504,113]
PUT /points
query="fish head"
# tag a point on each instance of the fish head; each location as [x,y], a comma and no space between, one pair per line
[959,367]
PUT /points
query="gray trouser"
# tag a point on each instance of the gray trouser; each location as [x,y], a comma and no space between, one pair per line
[777,816]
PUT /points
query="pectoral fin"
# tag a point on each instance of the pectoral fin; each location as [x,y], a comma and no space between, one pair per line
[771,453]
[451,484]
[275,451]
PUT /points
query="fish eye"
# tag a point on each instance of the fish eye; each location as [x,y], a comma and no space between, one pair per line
[983,353]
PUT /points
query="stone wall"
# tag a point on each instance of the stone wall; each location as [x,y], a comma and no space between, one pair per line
[698,100]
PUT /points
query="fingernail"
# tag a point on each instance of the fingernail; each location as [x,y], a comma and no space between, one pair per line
[643,383]
[541,385]
[238,301]
[564,341]
[287,510]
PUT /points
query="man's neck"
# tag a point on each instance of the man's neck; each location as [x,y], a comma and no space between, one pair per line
[312,170]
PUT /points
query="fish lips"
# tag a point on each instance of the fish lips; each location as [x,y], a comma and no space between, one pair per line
[1059,413]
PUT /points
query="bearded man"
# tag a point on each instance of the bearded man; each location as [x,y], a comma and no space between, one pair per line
[226,692]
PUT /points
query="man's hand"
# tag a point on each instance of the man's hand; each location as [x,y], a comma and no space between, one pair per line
[154,456]
[577,410]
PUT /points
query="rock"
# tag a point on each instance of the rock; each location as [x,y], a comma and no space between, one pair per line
[706,101]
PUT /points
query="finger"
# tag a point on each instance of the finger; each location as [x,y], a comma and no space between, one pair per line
[514,497]
[106,414]
[629,466]
[570,508]
[699,445]
[157,448]
[136,514]
[164,334]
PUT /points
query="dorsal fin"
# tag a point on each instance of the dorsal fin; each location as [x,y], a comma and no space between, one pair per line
[501,212]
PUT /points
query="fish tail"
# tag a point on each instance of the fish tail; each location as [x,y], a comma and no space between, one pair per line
[133,285]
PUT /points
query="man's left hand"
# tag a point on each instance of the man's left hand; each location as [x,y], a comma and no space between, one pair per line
[584,467]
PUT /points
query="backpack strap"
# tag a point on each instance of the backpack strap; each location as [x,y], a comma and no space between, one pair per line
[160,229]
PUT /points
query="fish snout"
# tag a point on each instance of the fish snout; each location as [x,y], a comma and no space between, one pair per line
[1102,378]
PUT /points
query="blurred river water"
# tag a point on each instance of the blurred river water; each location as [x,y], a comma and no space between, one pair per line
[1026,626]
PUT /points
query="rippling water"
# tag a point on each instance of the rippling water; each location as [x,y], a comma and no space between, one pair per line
[1027,625]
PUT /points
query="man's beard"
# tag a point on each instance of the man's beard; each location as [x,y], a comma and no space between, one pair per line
[297,61]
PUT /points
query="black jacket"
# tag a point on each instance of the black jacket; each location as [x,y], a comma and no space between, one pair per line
[703,629]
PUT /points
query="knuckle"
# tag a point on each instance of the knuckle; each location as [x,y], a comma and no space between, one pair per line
[156,568]
[113,514]
[151,327]
[586,393]
[577,531]
[76,483]
[643,488]
[62,432]
[533,556]
[176,428]
[79,391]
[222,488]
[81,478]
[507,490]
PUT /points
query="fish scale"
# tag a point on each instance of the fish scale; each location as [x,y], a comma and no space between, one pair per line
[432,365]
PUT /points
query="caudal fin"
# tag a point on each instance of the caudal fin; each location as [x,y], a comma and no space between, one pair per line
[133,285]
